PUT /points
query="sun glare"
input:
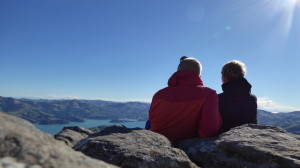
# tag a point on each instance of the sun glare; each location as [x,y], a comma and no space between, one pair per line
[291,3]
[285,11]
[294,2]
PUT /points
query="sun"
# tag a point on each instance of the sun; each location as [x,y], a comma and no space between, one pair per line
[294,2]
[286,9]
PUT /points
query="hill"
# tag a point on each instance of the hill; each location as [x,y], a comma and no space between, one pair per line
[64,111]
[288,121]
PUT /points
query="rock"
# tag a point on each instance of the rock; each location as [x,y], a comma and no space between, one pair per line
[248,146]
[23,146]
[114,129]
[133,149]
[79,129]
[71,135]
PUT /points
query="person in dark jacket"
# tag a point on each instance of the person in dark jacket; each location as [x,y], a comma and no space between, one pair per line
[237,105]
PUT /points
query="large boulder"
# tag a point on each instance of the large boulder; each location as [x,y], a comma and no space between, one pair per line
[249,146]
[23,146]
[133,149]
[71,135]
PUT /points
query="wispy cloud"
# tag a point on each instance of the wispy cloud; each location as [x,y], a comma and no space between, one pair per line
[272,106]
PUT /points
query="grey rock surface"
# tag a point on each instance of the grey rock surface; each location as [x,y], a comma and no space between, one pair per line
[23,146]
[247,146]
[133,149]
[71,135]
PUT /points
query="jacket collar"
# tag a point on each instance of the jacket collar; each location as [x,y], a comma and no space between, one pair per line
[237,85]
[185,77]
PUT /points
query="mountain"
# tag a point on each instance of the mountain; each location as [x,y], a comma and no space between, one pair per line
[288,121]
[64,111]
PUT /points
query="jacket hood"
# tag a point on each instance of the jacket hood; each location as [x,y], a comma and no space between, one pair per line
[185,77]
[237,86]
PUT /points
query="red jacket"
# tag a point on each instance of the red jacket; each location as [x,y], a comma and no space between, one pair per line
[186,109]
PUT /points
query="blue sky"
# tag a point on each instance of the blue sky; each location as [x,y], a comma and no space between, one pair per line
[126,50]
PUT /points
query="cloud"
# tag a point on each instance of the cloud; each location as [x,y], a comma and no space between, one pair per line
[272,106]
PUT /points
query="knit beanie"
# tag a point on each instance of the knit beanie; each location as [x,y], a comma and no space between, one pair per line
[189,63]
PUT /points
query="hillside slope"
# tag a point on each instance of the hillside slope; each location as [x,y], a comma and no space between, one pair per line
[63,111]
[288,121]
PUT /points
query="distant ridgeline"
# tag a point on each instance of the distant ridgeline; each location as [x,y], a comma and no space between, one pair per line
[64,111]
[288,121]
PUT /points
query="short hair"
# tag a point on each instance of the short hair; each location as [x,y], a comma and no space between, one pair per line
[189,63]
[234,69]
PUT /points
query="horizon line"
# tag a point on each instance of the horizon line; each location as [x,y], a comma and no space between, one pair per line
[263,103]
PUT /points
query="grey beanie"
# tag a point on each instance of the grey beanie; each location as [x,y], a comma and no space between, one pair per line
[189,63]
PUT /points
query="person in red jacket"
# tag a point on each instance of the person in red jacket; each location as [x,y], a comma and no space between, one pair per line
[185,109]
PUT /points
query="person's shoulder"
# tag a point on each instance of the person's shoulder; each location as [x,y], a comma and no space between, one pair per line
[221,94]
[208,90]
[161,91]
[253,97]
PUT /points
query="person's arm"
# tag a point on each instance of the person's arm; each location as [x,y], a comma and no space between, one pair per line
[210,121]
[148,122]
[148,125]
[254,119]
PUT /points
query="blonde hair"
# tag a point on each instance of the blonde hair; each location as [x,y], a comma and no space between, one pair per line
[234,69]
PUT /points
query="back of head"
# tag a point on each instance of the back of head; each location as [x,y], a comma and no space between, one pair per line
[189,63]
[234,69]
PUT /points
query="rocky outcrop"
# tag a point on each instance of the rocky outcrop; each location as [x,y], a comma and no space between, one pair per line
[23,146]
[249,146]
[133,149]
[71,135]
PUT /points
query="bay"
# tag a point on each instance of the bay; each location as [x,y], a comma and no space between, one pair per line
[88,123]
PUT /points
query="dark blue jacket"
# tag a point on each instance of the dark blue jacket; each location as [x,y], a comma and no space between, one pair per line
[237,105]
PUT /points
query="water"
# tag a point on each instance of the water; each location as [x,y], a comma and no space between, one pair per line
[89,123]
